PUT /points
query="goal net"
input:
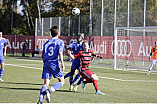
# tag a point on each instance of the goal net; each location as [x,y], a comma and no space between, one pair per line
[133,46]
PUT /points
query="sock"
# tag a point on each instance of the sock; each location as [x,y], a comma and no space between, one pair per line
[1,72]
[70,79]
[43,89]
[81,79]
[95,83]
[76,77]
[55,87]
[67,75]
[149,69]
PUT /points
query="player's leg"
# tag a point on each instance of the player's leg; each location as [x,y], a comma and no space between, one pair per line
[43,89]
[57,73]
[76,78]
[75,65]
[2,67]
[71,75]
[151,66]
[78,83]
[90,76]
[95,83]
[46,75]
[71,79]
[55,87]
[67,75]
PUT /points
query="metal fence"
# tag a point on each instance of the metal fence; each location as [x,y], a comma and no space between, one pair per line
[72,25]
[101,20]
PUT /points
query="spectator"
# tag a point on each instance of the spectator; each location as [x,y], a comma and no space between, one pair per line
[36,52]
[25,45]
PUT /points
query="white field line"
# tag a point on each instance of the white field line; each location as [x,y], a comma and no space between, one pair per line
[30,60]
[98,76]
[127,80]
[23,66]
[131,70]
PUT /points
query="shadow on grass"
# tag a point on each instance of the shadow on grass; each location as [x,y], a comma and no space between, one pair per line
[67,91]
[77,92]
[22,83]
[19,88]
[30,88]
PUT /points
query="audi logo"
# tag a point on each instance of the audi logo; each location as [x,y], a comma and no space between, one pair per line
[124,48]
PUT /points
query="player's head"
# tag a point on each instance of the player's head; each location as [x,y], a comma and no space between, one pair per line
[156,43]
[80,37]
[85,45]
[54,31]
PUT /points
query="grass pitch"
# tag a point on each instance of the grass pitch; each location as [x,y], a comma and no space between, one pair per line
[22,84]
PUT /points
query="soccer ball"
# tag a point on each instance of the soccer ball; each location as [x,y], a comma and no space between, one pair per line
[75,11]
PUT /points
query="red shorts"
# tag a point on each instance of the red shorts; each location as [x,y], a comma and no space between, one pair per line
[86,74]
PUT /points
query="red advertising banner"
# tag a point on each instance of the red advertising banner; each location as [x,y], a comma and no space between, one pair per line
[128,48]
[14,43]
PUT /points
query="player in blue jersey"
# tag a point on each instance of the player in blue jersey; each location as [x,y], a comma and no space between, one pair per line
[75,48]
[2,45]
[52,50]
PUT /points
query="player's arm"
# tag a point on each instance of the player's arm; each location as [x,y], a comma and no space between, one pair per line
[66,47]
[71,56]
[61,59]
[5,50]
[97,56]
[150,57]
[42,55]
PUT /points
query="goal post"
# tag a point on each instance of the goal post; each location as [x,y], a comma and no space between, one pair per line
[132,46]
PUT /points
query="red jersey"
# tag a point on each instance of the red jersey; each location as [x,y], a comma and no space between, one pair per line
[154,51]
[85,58]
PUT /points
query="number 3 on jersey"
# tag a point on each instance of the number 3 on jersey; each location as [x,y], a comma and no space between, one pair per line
[50,51]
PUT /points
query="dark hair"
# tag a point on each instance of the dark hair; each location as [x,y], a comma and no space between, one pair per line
[85,41]
[155,42]
[54,31]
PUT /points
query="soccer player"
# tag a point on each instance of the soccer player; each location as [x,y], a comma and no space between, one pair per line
[85,57]
[75,48]
[2,44]
[154,59]
[52,50]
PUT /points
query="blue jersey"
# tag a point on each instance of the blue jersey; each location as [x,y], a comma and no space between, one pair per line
[2,44]
[51,49]
[75,48]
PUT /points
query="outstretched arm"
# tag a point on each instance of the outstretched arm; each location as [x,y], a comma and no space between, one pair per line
[97,56]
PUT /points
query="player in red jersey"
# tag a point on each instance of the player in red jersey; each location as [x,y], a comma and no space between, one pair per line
[154,59]
[85,58]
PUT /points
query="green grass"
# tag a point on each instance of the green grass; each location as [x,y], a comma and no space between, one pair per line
[22,84]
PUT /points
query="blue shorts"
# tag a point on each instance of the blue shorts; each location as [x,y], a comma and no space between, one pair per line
[75,65]
[51,68]
[2,59]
